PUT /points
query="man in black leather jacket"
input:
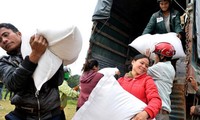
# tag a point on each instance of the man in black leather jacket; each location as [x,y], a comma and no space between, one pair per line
[16,73]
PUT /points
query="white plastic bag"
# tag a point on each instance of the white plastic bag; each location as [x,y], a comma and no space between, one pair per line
[149,41]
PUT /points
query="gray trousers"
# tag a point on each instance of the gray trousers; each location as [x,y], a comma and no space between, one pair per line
[162,116]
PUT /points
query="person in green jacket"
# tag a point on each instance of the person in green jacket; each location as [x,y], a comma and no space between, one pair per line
[165,20]
[66,91]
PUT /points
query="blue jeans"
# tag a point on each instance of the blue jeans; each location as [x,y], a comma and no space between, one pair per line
[1,88]
[11,116]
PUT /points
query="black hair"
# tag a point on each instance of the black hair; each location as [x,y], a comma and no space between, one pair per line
[137,57]
[170,3]
[9,26]
[89,64]
[140,56]
[165,58]
[164,0]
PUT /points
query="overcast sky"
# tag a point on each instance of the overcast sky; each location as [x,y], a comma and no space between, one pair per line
[26,14]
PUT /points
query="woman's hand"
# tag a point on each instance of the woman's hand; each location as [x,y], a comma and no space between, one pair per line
[141,116]
[148,53]
[76,88]
[117,72]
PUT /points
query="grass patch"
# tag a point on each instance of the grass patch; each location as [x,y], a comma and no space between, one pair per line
[6,107]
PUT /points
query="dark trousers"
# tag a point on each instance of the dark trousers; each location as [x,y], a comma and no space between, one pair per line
[174,63]
[1,89]
[12,116]
[62,115]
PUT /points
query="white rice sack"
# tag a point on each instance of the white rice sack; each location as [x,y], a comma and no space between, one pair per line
[65,44]
[109,71]
[109,101]
[2,52]
[149,41]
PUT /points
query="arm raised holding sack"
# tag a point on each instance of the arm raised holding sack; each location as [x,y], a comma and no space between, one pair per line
[16,73]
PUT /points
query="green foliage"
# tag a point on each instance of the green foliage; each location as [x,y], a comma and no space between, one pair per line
[73,80]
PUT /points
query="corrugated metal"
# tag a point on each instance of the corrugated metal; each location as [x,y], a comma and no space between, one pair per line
[193,61]
[109,43]
[178,102]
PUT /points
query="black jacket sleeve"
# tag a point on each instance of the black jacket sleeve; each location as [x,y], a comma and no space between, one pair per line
[16,77]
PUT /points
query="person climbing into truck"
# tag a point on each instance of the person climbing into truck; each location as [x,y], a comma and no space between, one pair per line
[166,20]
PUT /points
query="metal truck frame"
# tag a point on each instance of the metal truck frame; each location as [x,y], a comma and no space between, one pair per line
[116,23]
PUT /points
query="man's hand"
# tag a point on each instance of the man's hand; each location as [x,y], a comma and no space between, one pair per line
[193,83]
[38,45]
[192,110]
[179,36]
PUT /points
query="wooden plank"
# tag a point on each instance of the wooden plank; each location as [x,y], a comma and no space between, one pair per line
[114,28]
[108,48]
[111,38]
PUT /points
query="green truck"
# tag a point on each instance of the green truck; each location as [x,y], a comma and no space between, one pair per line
[116,23]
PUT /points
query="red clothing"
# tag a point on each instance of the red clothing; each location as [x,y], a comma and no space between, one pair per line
[144,88]
[88,81]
